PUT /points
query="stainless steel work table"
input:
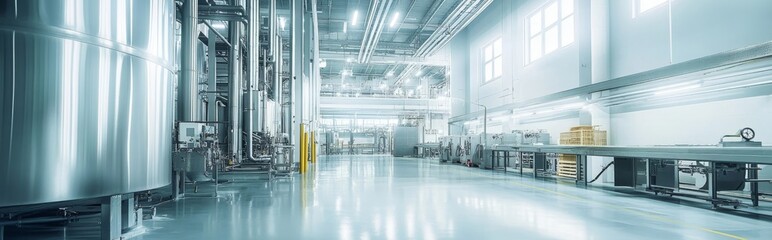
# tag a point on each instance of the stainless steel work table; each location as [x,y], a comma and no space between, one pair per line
[740,155]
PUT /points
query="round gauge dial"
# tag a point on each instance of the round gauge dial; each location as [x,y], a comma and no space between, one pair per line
[747,134]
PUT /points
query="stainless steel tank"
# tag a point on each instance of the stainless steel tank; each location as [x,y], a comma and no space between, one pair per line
[85,98]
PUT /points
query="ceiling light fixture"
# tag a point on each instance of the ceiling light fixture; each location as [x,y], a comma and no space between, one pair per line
[345,27]
[394,20]
[354,18]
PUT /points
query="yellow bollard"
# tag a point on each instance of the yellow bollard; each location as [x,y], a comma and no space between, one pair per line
[305,151]
[304,156]
[313,147]
[302,167]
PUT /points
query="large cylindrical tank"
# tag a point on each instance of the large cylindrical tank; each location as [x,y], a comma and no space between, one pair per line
[85,98]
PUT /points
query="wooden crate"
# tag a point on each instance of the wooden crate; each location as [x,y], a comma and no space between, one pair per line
[579,135]
[567,165]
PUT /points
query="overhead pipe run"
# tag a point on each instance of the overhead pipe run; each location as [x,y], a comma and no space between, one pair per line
[375,23]
[425,21]
[459,18]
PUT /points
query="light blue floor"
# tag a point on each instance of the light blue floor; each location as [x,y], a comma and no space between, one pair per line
[380,197]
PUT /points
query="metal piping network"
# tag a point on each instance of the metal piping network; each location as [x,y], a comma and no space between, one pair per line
[234,94]
[375,25]
[253,33]
[453,24]
[188,100]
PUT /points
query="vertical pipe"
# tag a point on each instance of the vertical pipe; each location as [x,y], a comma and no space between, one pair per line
[300,147]
[263,97]
[296,86]
[313,147]
[187,101]
[253,33]
[212,81]
[278,86]
[235,90]
[272,21]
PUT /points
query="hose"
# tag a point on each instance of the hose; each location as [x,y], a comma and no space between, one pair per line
[601,172]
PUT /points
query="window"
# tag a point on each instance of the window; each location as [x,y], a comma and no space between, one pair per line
[549,28]
[640,6]
[492,63]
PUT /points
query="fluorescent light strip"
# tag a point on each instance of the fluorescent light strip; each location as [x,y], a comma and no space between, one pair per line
[354,18]
[394,20]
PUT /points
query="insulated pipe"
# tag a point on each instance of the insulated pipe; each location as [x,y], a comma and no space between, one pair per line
[466,21]
[264,95]
[278,86]
[235,90]
[295,104]
[376,24]
[187,101]
[427,18]
[445,26]
[375,12]
[253,45]
[272,21]
[317,71]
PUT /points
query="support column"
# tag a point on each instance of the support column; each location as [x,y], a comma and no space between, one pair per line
[128,213]
[753,173]
[712,183]
[111,218]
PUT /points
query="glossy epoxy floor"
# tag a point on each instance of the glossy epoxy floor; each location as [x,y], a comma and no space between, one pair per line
[381,197]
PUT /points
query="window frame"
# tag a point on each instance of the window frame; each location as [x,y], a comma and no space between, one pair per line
[492,61]
[637,7]
[543,29]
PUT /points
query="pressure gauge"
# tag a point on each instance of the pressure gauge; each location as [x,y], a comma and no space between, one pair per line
[747,134]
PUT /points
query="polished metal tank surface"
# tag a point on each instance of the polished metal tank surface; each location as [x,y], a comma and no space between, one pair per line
[86,91]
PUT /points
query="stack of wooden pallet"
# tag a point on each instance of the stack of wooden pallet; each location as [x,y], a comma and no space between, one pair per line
[579,135]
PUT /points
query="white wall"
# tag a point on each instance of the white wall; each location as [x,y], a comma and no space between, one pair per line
[699,28]
[552,73]
[620,44]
